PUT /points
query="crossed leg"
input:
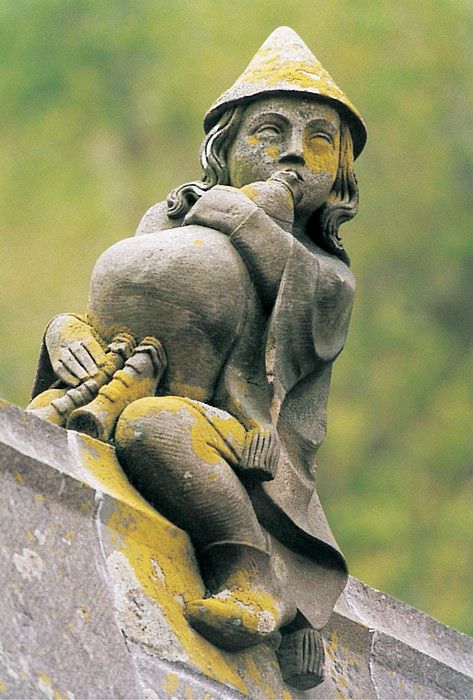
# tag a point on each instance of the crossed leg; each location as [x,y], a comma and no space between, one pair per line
[181,455]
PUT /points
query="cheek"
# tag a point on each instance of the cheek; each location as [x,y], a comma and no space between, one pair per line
[318,187]
[272,152]
[258,153]
[251,161]
[324,182]
[260,150]
[322,160]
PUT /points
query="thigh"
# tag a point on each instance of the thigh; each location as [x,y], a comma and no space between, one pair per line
[45,398]
[178,422]
[181,455]
[216,430]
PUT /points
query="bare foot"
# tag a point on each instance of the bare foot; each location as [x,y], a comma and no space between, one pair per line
[237,619]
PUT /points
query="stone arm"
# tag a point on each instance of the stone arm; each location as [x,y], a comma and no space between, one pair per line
[243,390]
[263,245]
[265,248]
[309,323]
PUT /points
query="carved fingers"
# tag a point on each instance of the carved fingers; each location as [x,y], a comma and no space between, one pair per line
[292,181]
[222,208]
[78,360]
[260,455]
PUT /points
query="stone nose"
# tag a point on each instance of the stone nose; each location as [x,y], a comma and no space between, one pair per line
[294,149]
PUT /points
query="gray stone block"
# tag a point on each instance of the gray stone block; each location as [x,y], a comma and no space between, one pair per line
[80,621]
[59,634]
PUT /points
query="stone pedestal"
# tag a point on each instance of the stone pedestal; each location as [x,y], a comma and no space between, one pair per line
[94,582]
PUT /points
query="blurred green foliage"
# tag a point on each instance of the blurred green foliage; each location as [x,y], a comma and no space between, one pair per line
[101,108]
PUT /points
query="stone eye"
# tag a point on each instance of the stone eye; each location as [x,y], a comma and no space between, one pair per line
[268,130]
[322,135]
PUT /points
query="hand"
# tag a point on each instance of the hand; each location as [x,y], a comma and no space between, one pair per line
[78,360]
[260,455]
[292,180]
[222,208]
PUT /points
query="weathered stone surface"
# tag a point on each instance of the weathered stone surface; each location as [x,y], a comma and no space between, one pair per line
[93,609]
[165,680]
[59,633]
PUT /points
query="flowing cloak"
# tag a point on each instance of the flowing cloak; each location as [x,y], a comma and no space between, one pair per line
[306,332]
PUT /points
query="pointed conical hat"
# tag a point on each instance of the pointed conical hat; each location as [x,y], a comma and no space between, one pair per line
[284,64]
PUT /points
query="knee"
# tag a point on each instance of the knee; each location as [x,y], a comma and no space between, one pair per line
[150,422]
[45,398]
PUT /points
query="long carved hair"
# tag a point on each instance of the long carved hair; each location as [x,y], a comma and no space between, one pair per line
[322,227]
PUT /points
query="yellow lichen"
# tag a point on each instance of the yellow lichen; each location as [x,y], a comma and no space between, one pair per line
[250,190]
[188,693]
[255,675]
[258,610]
[322,158]
[171,683]
[332,644]
[58,695]
[228,435]
[272,151]
[272,69]
[190,390]
[146,538]
[228,432]
[46,686]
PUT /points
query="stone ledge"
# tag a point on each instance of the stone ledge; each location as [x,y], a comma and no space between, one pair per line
[94,609]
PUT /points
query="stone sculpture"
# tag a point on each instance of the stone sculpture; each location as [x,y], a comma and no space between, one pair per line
[206,350]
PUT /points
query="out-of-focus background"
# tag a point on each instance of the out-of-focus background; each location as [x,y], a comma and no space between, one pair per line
[101,104]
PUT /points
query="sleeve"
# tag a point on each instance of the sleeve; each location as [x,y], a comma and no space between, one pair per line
[265,249]
[44,376]
[309,323]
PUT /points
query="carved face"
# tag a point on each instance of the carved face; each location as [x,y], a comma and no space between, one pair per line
[288,132]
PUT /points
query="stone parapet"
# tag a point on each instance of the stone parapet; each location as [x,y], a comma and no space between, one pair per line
[94,582]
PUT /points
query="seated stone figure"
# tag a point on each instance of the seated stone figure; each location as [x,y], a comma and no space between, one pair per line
[238,287]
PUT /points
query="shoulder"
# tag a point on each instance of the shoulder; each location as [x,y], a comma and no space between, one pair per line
[333,275]
[157,219]
[336,275]
[333,303]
